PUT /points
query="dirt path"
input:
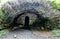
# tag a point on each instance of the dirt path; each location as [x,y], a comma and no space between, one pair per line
[28,34]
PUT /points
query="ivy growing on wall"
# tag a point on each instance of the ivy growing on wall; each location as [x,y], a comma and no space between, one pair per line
[56,4]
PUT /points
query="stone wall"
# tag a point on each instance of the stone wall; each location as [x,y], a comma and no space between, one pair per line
[15,7]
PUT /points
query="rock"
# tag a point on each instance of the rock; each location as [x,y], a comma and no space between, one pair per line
[14,36]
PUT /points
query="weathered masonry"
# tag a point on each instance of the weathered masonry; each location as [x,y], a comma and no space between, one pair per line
[26,13]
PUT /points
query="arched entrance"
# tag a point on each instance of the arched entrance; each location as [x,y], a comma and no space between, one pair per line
[25,12]
[26,21]
[26,25]
[39,16]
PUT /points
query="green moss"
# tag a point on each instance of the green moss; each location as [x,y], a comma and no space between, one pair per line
[31,21]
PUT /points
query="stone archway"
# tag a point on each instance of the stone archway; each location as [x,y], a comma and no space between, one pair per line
[30,11]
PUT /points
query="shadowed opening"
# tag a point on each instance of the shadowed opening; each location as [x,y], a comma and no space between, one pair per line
[26,21]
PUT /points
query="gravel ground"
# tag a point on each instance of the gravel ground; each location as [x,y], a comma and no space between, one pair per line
[27,34]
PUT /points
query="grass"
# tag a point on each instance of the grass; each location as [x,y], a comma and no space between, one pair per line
[56,33]
[3,32]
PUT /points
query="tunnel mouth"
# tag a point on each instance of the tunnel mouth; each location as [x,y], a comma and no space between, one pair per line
[26,23]
[32,11]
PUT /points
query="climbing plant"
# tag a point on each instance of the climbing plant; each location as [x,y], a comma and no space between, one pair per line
[56,4]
